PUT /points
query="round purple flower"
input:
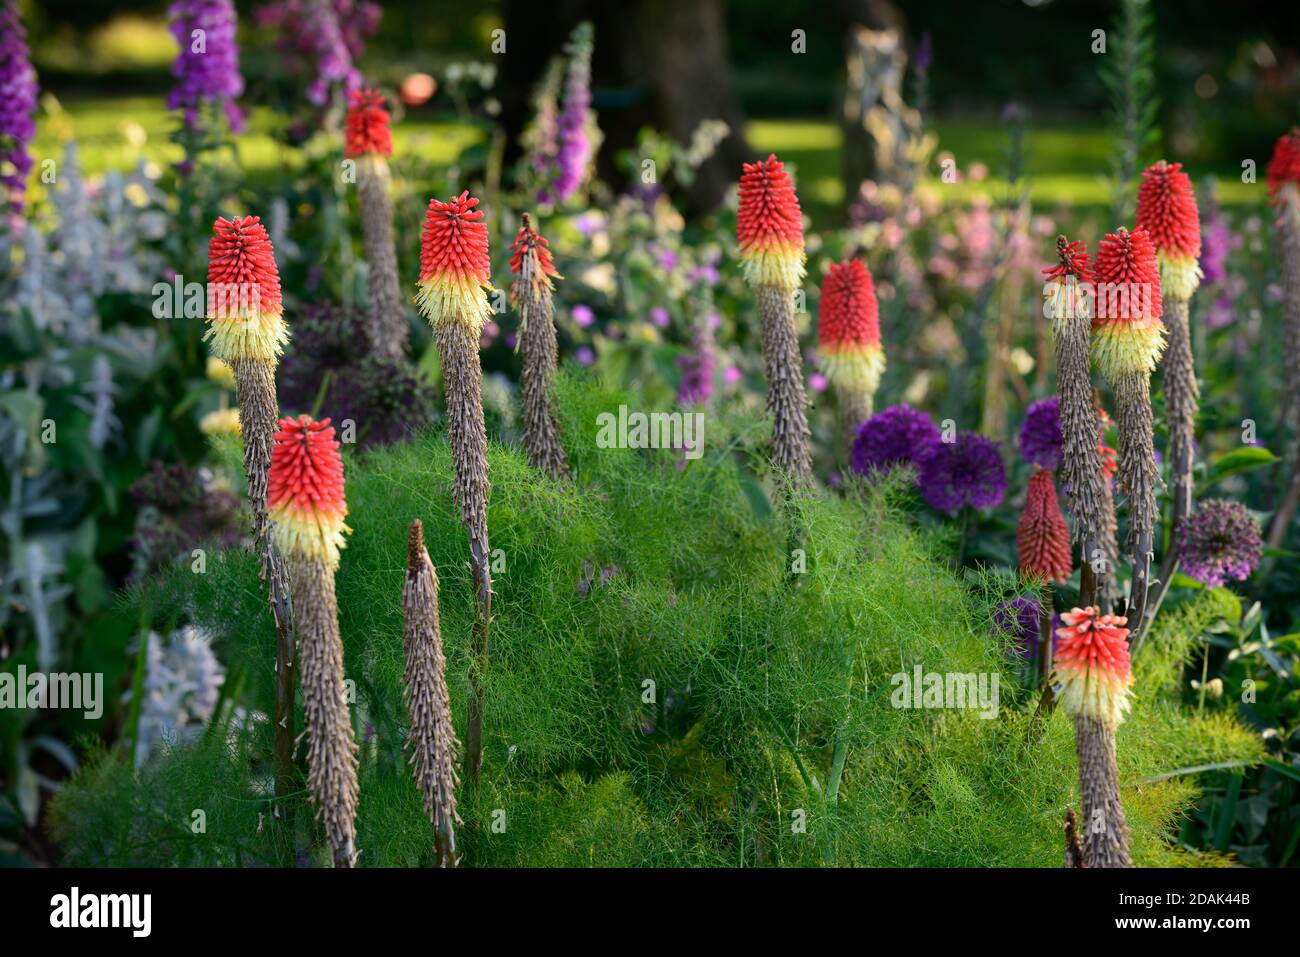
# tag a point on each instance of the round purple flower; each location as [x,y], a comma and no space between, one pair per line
[584,355]
[17,103]
[660,318]
[1219,541]
[207,69]
[582,315]
[966,471]
[1040,435]
[892,436]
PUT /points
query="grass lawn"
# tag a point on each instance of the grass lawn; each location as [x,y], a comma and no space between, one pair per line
[1065,161]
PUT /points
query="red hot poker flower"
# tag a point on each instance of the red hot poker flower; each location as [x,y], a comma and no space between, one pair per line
[245,311]
[305,490]
[849,315]
[529,240]
[1042,537]
[1284,167]
[367,128]
[1128,336]
[240,254]
[769,225]
[1092,661]
[1073,261]
[454,263]
[1167,211]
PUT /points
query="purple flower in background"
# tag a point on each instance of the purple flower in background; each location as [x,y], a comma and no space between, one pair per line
[582,315]
[924,53]
[326,37]
[732,374]
[1220,313]
[574,151]
[1040,435]
[17,103]
[207,69]
[892,437]
[967,471]
[1019,618]
[584,355]
[817,382]
[659,317]
[1217,242]
[1219,541]
[697,368]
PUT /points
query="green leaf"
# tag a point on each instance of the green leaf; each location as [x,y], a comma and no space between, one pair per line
[1238,460]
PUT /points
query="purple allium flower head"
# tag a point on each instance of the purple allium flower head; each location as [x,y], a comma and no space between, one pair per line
[17,103]
[582,315]
[818,382]
[659,317]
[1219,541]
[574,151]
[1040,435]
[584,355]
[892,437]
[1019,618]
[966,471]
[697,368]
[207,69]
[732,374]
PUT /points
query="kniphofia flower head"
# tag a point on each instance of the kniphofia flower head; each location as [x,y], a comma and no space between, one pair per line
[769,226]
[1042,537]
[245,310]
[848,328]
[367,129]
[530,256]
[455,272]
[1284,166]
[1092,663]
[1167,210]
[1127,334]
[1067,297]
[304,495]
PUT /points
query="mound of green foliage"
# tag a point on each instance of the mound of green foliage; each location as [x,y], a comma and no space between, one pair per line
[670,682]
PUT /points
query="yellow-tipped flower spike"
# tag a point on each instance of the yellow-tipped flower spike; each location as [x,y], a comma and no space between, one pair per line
[1092,663]
[305,491]
[1167,211]
[769,226]
[245,311]
[1127,334]
[455,271]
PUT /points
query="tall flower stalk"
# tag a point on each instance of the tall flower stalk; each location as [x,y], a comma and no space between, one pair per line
[17,105]
[848,330]
[455,273]
[206,69]
[1128,338]
[769,229]
[1069,307]
[246,330]
[1092,663]
[1284,192]
[1167,211]
[307,507]
[369,142]
[531,294]
[573,147]
[432,739]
